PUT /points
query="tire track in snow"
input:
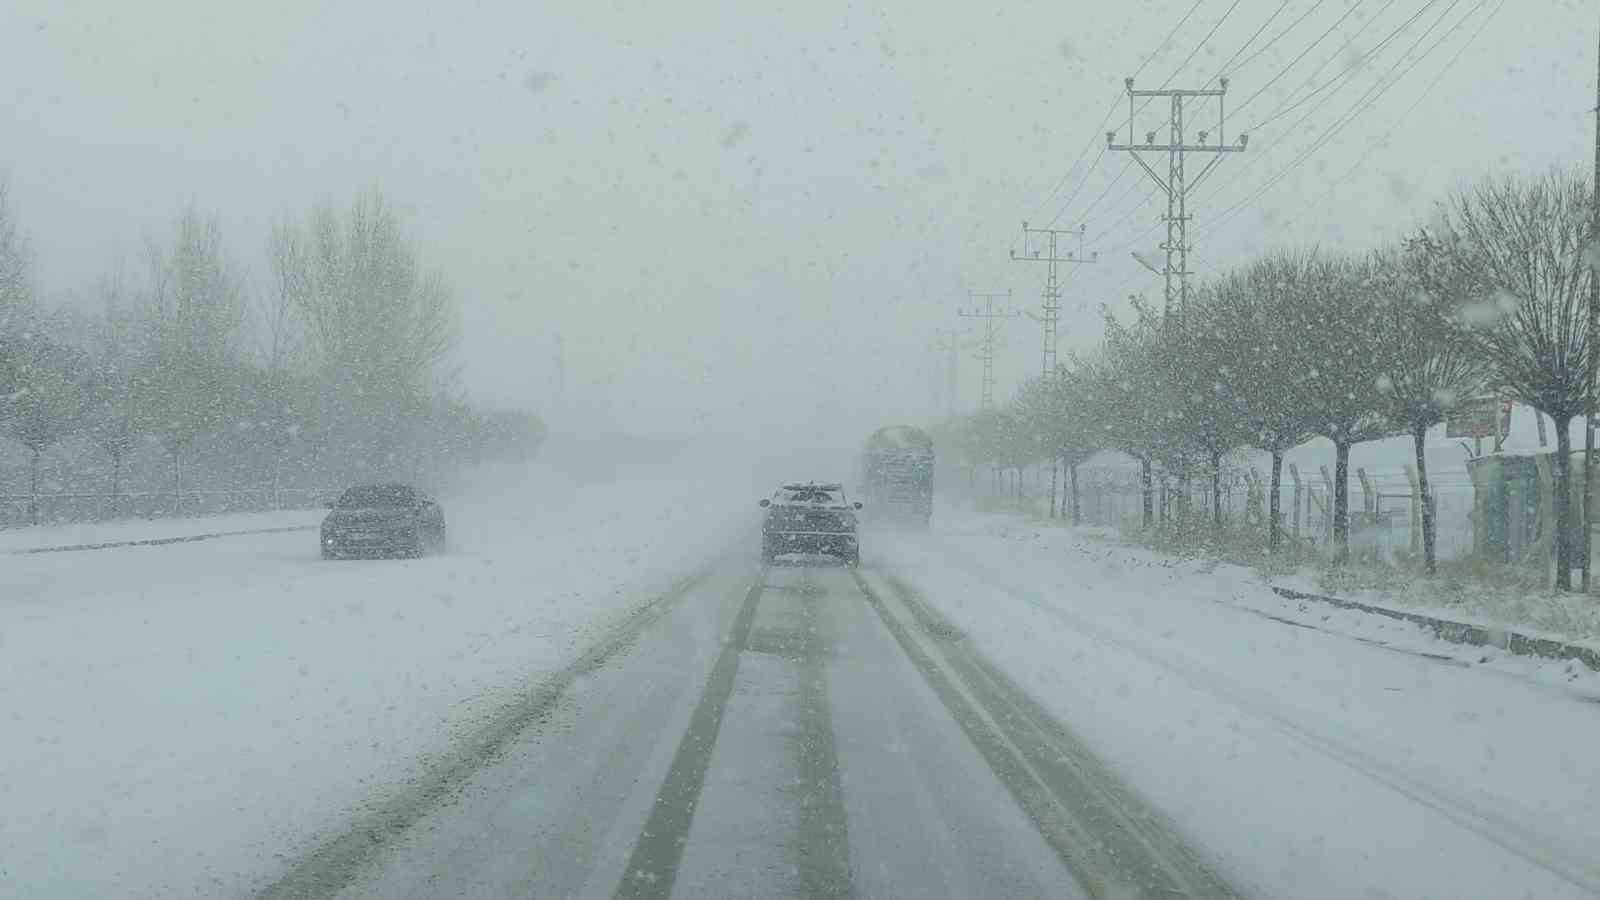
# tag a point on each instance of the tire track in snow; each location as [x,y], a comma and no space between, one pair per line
[824,842]
[1574,865]
[653,866]
[336,863]
[1113,843]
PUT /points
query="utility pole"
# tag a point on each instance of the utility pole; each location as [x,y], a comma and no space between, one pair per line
[986,353]
[1590,339]
[1177,184]
[1049,255]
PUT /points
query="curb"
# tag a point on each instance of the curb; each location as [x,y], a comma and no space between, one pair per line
[1462,633]
[157,542]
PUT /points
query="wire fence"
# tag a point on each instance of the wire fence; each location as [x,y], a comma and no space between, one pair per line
[57,508]
[1385,517]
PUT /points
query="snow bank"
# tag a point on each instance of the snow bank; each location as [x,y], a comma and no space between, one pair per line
[179,718]
[23,539]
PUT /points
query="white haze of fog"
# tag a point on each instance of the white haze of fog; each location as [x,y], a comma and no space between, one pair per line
[740,221]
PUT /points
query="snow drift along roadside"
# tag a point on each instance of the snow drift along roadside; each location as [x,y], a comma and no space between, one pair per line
[181,718]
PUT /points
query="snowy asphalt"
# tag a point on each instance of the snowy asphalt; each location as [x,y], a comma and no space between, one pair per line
[795,730]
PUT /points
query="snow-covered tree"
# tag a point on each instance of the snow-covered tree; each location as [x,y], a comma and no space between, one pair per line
[379,325]
[1426,360]
[1514,256]
[193,311]
[1264,372]
[45,405]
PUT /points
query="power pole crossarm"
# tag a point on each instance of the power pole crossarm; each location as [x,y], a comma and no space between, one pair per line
[1175,185]
[990,316]
[1049,252]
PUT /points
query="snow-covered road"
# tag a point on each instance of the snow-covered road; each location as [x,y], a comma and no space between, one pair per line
[1308,764]
[791,731]
[620,702]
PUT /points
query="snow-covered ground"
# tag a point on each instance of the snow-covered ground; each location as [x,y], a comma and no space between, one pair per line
[1460,594]
[17,540]
[1306,763]
[179,718]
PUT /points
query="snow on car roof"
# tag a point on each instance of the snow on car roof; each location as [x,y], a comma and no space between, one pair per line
[813,486]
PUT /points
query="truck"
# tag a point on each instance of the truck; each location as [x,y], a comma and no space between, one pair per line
[897,475]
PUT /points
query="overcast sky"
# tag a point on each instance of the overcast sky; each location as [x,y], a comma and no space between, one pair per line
[733,215]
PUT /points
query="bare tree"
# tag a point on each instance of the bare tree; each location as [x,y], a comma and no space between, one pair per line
[1427,363]
[113,418]
[290,293]
[1513,255]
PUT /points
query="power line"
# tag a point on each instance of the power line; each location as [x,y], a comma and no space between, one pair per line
[1081,182]
[1164,42]
[1223,69]
[1129,211]
[1250,163]
[1365,101]
[1439,75]
[1311,76]
[1296,61]
[1280,35]
[1355,66]
[1110,111]
[1203,41]
[1124,170]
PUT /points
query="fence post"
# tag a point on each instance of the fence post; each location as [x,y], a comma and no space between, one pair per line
[1294,475]
[1327,506]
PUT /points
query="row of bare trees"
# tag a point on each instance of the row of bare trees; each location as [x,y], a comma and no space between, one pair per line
[339,365]
[1492,296]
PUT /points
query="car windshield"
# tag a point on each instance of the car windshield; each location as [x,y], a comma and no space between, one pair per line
[377,496]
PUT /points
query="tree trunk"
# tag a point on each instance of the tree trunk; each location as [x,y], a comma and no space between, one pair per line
[1052,487]
[1341,502]
[1076,519]
[1273,532]
[1564,533]
[1425,497]
[1216,495]
[33,489]
[1149,492]
[177,483]
[116,483]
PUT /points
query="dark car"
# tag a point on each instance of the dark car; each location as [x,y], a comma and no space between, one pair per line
[810,518]
[382,520]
